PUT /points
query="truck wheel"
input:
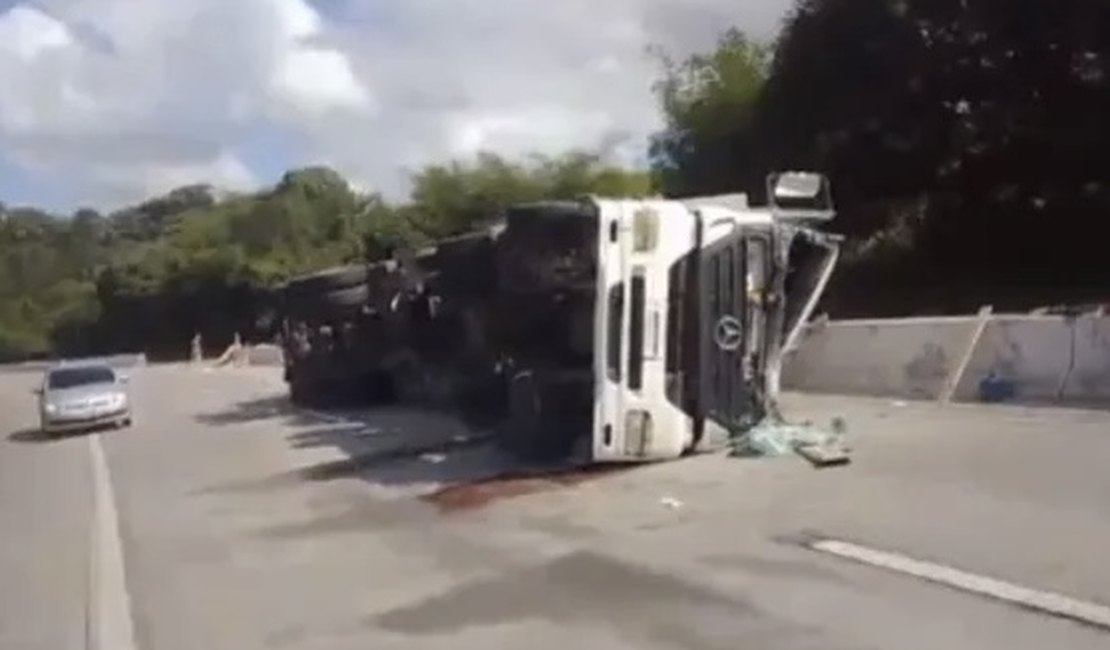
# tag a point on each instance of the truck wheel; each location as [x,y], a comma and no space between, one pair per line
[300,392]
[377,386]
[409,385]
[481,397]
[531,431]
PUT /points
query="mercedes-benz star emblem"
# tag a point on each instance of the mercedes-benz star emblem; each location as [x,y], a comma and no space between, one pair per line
[729,333]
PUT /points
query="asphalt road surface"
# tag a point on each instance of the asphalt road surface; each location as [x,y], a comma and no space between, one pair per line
[227,519]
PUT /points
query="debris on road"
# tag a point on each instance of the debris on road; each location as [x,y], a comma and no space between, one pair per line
[671,503]
[829,453]
[773,438]
[196,350]
[233,355]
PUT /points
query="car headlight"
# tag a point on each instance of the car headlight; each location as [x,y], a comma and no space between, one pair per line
[119,399]
[51,409]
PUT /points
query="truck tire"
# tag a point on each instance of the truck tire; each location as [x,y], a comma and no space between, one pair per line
[531,432]
[300,391]
[408,380]
[480,396]
[377,388]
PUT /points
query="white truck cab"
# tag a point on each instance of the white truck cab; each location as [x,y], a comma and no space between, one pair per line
[697,302]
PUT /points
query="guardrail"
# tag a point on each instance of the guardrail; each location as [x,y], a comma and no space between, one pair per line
[992,358]
[115,361]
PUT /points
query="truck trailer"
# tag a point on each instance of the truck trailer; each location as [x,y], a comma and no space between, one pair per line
[638,330]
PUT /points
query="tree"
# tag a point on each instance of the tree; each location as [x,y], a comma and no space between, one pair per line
[454,197]
[451,198]
[709,102]
[161,215]
[988,112]
[963,137]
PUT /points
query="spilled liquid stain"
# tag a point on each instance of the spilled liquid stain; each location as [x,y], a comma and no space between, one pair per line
[560,590]
[480,493]
[644,604]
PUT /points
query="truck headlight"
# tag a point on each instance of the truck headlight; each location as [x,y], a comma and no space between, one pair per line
[637,432]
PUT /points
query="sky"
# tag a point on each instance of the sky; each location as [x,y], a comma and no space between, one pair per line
[106,102]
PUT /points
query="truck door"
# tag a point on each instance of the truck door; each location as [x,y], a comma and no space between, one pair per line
[611,331]
[646,322]
[735,271]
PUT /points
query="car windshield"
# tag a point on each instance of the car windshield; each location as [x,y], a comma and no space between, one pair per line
[74,377]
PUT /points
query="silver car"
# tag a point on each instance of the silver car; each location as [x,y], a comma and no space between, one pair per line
[78,397]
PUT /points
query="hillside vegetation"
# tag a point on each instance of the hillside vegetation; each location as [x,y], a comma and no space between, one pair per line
[148,277]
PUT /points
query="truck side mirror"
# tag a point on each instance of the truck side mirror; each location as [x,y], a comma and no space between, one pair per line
[798,185]
[802,196]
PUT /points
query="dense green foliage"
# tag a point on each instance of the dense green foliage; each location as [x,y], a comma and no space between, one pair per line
[964,139]
[150,276]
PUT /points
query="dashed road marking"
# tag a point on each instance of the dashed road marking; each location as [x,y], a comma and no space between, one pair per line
[111,626]
[1044,602]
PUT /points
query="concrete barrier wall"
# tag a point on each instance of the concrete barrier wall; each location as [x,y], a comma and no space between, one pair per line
[1029,355]
[1018,358]
[1090,380]
[265,355]
[115,361]
[910,358]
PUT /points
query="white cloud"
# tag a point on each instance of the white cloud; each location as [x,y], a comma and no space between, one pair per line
[26,33]
[313,81]
[115,99]
[224,171]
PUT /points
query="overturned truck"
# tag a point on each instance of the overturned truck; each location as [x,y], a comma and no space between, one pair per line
[637,329]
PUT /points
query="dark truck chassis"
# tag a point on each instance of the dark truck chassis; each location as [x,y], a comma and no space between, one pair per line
[482,324]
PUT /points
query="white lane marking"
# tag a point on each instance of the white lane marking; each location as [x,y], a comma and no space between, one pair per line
[1042,601]
[111,625]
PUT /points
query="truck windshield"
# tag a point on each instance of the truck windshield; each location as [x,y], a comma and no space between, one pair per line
[74,377]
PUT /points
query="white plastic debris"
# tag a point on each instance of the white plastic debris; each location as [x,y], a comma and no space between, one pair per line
[671,502]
